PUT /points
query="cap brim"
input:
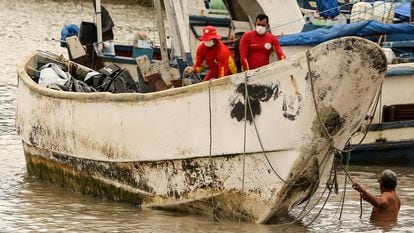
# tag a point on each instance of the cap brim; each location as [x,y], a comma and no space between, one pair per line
[209,37]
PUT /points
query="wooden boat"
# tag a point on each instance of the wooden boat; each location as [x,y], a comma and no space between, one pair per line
[389,137]
[190,148]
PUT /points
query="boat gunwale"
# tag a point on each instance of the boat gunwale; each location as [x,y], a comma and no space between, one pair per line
[107,96]
[142,97]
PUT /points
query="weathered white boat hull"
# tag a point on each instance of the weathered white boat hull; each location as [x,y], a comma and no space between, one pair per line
[182,149]
[182,185]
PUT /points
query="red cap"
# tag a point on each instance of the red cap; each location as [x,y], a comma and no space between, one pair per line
[209,33]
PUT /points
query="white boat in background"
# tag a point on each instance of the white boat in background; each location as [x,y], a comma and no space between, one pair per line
[389,138]
[189,148]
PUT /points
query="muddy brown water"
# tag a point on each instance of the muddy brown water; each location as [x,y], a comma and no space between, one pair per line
[28,205]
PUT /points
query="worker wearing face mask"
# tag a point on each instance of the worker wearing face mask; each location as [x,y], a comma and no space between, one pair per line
[255,46]
[216,55]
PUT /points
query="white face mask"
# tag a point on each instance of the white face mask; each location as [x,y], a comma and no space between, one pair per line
[260,30]
[209,43]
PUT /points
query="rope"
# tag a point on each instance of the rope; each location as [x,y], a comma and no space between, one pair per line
[327,187]
[350,178]
[247,96]
[348,156]
[380,110]
[299,217]
[244,146]
[371,115]
[314,98]
[260,140]
[336,150]
[320,210]
[346,173]
[267,158]
[215,218]
[331,149]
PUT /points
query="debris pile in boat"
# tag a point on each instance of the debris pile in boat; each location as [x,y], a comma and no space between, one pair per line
[69,77]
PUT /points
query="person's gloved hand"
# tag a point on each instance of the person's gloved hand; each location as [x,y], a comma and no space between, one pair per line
[189,70]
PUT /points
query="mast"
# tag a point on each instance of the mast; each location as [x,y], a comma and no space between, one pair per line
[172,20]
[98,14]
[182,28]
[161,33]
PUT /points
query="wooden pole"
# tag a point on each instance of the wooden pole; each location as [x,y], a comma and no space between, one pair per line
[98,14]
[172,19]
[182,28]
[412,12]
[161,33]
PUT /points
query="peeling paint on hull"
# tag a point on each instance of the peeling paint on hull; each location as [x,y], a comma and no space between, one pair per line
[153,149]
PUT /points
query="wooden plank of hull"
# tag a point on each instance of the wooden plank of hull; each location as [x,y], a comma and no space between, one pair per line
[174,125]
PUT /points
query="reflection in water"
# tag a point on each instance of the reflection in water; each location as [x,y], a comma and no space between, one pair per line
[27,205]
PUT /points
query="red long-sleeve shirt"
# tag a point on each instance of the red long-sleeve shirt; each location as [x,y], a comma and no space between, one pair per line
[218,58]
[255,49]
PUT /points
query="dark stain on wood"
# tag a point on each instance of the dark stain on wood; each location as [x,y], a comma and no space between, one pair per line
[257,94]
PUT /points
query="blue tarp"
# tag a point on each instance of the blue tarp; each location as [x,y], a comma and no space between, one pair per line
[363,29]
[68,31]
[403,11]
[328,8]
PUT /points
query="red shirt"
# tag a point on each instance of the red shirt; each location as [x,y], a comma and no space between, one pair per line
[218,58]
[255,49]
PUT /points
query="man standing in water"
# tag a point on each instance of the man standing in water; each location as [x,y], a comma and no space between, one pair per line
[386,206]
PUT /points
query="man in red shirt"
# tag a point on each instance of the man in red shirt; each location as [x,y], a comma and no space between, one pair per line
[255,46]
[216,55]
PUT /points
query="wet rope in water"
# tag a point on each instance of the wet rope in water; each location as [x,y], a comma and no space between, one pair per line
[328,186]
[336,150]
[348,156]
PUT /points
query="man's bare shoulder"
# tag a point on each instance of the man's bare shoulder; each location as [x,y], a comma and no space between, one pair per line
[391,197]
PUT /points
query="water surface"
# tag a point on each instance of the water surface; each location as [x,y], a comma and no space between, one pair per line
[27,205]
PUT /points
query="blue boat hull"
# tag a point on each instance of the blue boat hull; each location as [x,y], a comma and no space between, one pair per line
[383,153]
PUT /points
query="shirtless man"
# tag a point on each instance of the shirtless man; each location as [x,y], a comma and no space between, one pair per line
[386,206]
